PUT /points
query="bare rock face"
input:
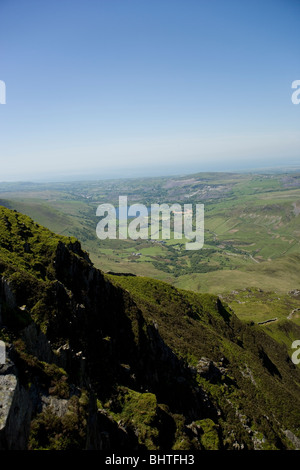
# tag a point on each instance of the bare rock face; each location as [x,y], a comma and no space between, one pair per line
[15,410]
[7,295]
[8,385]
[37,343]
[91,365]
[210,370]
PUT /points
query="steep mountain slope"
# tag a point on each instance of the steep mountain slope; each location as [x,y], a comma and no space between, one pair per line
[111,362]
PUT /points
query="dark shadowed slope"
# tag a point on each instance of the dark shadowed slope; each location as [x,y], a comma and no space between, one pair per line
[106,362]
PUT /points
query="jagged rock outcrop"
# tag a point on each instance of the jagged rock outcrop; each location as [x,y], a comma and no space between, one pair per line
[95,362]
[15,410]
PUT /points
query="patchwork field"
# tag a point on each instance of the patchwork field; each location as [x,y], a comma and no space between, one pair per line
[252,233]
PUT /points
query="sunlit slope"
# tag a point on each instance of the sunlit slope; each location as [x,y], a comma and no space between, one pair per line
[279,275]
[252,227]
[162,361]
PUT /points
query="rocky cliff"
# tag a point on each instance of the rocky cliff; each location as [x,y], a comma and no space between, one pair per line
[110,362]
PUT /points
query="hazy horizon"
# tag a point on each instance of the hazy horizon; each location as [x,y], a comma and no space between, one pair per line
[135,88]
[90,177]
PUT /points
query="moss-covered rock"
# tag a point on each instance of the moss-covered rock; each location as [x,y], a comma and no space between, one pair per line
[170,369]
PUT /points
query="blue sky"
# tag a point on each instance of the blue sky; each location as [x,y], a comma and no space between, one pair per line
[139,87]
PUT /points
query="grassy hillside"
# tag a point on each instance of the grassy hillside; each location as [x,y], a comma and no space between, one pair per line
[251,227]
[133,359]
[201,332]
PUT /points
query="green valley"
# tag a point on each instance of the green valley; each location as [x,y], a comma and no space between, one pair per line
[251,227]
[123,362]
